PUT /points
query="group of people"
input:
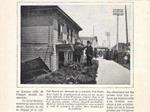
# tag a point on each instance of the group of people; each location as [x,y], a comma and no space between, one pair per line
[78,52]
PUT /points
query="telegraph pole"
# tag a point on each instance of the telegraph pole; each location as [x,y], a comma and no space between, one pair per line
[117,12]
[93,31]
[108,39]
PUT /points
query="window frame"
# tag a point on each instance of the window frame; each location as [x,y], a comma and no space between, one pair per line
[60,31]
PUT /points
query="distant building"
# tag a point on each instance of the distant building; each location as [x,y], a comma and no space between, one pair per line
[93,41]
[122,47]
[47,32]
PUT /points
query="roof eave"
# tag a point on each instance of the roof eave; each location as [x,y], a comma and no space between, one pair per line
[69,18]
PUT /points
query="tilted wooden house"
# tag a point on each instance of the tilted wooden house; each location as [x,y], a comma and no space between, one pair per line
[47,32]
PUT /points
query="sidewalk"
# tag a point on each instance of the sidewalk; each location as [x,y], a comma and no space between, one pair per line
[110,72]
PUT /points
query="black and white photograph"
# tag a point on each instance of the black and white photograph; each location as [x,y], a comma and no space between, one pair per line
[76,44]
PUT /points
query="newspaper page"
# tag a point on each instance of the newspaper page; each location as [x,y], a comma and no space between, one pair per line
[74,56]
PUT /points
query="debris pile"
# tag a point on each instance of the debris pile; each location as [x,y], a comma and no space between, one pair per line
[32,68]
[71,73]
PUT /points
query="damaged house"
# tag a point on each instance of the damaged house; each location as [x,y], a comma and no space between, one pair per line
[49,33]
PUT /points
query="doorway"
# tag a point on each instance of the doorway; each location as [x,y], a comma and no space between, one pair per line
[60,59]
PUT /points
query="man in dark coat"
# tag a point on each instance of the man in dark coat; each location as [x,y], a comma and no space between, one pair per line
[78,51]
[89,53]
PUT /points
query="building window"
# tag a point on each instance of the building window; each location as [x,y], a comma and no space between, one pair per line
[71,35]
[60,31]
[67,33]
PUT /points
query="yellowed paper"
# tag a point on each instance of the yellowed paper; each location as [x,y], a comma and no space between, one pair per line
[9,46]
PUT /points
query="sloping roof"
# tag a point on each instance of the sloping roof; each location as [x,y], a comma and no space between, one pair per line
[68,17]
[53,7]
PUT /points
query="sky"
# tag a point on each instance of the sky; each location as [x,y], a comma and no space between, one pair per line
[98,19]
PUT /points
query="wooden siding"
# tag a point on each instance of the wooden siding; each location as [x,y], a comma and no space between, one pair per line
[34,43]
[32,51]
[36,21]
[34,34]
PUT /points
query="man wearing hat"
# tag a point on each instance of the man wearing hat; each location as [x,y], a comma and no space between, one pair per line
[89,53]
[78,51]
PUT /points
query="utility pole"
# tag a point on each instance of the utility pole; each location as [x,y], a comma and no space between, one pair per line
[126,21]
[108,39]
[104,43]
[117,12]
[93,31]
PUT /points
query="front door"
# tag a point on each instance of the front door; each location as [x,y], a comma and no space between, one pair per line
[61,58]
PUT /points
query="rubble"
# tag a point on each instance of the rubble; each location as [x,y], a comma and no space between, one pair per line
[71,73]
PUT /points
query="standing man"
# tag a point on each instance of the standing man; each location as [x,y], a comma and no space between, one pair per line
[78,52]
[89,53]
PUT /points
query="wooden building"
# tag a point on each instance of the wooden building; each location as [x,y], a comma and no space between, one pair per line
[122,47]
[47,32]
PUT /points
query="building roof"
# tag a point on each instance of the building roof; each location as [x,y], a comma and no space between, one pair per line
[120,44]
[54,8]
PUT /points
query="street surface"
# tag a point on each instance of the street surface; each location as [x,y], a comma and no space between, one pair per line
[110,72]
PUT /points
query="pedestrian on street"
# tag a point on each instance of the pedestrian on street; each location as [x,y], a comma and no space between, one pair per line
[89,53]
[116,55]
